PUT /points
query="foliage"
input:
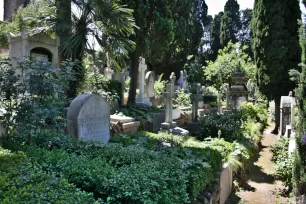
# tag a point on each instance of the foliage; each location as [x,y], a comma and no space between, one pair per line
[210,99]
[230,23]
[159,86]
[275,42]
[110,90]
[182,99]
[140,113]
[26,18]
[283,162]
[33,95]
[228,124]
[24,182]
[245,33]
[215,36]
[229,60]
[194,69]
[127,83]
[171,31]
[299,164]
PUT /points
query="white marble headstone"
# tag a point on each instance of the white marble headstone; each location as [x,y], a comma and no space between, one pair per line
[150,80]
[89,118]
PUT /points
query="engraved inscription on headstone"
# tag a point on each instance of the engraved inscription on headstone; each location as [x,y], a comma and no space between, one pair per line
[89,118]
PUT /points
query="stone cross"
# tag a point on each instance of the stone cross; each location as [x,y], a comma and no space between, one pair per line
[168,96]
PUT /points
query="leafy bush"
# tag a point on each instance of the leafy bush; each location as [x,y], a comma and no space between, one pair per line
[36,97]
[143,114]
[209,99]
[23,182]
[283,162]
[182,99]
[108,89]
[160,87]
[228,124]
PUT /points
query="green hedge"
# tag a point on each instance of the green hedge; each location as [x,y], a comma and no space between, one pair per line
[24,182]
[133,168]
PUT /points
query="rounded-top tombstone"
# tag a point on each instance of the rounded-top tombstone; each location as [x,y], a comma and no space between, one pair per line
[89,118]
[150,80]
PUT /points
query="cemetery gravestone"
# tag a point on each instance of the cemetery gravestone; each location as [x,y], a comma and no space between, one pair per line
[150,80]
[285,113]
[168,96]
[142,96]
[89,118]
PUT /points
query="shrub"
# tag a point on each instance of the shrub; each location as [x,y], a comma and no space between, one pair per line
[229,126]
[110,90]
[160,87]
[182,99]
[283,162]
[36,97]
[209,99]
[23,182]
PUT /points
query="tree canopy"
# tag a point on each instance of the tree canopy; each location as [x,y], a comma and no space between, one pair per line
[230,23]
[275,42]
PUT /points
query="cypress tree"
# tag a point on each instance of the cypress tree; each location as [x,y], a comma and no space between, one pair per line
[215,36]
[230,23]
[275,42]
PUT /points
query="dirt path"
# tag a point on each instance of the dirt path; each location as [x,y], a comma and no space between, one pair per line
[261,187]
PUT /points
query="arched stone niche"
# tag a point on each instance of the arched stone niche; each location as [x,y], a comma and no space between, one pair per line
[25,45]
[40,52]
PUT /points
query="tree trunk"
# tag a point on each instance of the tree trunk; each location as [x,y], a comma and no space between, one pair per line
[134,76]
[277,114]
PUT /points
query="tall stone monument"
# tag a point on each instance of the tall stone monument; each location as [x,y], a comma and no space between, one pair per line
[168,96]
[89,118]
[287,107]
[142,98]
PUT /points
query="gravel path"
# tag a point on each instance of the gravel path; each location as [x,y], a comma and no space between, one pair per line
[261,187]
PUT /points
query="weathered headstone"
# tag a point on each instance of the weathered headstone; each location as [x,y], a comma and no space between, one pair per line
[142,98]
[150,80]
[89,118]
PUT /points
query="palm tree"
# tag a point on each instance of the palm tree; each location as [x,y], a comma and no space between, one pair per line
[88,24]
